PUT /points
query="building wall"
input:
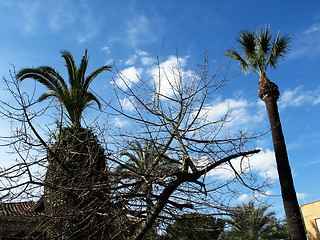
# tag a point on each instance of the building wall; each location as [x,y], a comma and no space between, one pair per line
[311,212]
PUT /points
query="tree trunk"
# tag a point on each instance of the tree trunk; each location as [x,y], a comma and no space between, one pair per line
[269,93]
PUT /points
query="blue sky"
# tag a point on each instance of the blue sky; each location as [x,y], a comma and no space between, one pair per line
[131,33]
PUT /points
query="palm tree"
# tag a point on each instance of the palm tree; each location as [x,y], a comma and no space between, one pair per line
[140,167]
[195,226]
[76,159]
[249,222]
[76,96]
[261,51]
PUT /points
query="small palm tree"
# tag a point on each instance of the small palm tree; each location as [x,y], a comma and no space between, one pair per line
[195,226]
[140,166]
[76,96]
[261,51]
[249,222]
[140,160]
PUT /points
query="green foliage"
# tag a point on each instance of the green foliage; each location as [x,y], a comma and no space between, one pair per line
[80,150]
[75,97]
[195,226]
[259,50]
[77,167]
[249,222]
[142,162]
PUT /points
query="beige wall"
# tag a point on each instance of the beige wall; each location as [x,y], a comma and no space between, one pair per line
[311,212]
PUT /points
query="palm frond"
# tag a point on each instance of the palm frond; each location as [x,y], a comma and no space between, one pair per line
[235,55]
[91,97]
[74,96]
[70,64]
[279,49]
[133,160]
[46,95]
[82,69]
[41,76]
[263,38]
[56,78]
[94,74]
[248,43]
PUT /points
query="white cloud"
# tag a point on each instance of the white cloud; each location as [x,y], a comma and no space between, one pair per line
[106,50]
[219,109]
[243,197]
[141,53]
[262,163]
[128,77]
[169,76]
[79,20]
[119,122]
[127,104]
[61,15]
[308,42]
[298,97]
[90,28]
[315,28]
[110,61]
[237,112]
[302,196]
[131,60]
[264,194]
[139,30]
[147,61]
[28,17]
[143,58]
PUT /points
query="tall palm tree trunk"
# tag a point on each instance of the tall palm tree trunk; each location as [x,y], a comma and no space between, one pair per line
[269,93]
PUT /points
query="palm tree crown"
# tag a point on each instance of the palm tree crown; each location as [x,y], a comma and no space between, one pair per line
[250,223]
[74,96]
[140,161]
[260,50]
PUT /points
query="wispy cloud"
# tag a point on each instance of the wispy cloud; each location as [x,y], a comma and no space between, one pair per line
[106,49]
[128,104]
[139,30]
[141,56]
[307,43]
[236,112]
[118,122]
[243,197]
[29,16]
[302,197]
[89,24]
[62,15]
[131,60]
[147,61]
[298,97]
[33,18]
[258,195]
[262,163]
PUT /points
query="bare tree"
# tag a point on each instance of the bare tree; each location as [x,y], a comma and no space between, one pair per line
[172,115]
[169,112]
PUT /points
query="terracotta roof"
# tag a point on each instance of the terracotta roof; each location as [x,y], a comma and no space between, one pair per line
[18,209]
[21,218]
